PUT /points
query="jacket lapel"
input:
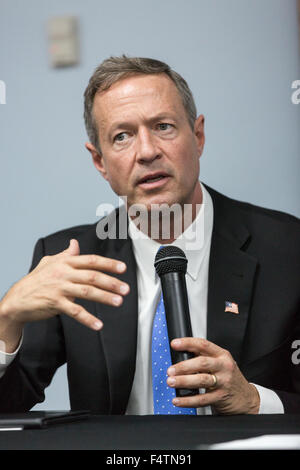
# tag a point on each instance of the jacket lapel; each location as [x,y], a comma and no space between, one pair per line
[119,332]
[231,277]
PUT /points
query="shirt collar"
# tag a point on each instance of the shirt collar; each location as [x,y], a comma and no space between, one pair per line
[194,241]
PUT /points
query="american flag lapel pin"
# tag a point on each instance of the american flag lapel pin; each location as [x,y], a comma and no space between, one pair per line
[231,307]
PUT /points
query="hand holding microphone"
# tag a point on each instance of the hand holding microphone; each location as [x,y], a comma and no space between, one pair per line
[199,363]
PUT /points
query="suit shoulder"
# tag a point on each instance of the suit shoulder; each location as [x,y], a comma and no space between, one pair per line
[69,231]
[271,214]
[253,211]
[59,240]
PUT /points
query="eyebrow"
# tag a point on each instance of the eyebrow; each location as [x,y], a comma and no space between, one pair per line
[151,120]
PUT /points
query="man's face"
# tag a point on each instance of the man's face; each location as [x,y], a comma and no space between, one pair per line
[149,152]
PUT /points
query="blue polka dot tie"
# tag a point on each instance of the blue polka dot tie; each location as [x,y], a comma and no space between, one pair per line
[161,361]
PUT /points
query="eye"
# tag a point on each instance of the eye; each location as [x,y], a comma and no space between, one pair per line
[120,137]
[164,126]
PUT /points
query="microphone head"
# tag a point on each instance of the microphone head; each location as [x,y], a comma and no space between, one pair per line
[170,259]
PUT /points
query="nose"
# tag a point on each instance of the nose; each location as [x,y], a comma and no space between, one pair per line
[147,150]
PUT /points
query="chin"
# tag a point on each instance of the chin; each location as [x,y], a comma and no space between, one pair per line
[158,200]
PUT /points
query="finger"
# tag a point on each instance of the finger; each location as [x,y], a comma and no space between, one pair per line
[191,381]
[195,365]
[84,291]
[80,314]
[100,280]
[197,346]
[197,401]
[96,262]
[73,248]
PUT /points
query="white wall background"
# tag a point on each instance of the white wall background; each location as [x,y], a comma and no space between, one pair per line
[239,58]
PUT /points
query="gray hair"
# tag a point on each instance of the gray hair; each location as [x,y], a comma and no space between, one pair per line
[116,68]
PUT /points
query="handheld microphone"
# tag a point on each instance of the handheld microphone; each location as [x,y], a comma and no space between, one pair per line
[170,264]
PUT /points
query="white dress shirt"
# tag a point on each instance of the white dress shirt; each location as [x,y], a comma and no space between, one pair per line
[149,291]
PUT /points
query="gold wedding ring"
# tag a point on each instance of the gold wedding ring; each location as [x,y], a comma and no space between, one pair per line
[215,381]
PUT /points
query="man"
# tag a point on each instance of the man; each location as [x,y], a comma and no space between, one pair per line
[90,302]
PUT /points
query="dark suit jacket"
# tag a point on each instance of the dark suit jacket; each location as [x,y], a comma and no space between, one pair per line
[254,262]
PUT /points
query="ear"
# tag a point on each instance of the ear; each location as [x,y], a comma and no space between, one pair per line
[97,159]
[199,133]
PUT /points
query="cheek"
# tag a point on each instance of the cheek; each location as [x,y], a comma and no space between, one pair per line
[189,169]
[187,160]
[118,174]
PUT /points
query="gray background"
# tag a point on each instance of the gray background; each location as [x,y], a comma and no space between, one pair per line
[240,58]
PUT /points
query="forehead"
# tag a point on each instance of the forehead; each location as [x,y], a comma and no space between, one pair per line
[138,94]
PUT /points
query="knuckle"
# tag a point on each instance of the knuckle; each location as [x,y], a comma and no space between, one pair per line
[92,260]
[85,290]
[204,363]
[114,285]
[75,310]
[202,399]
[92,277]
[227,355]
[228,364]
[226,382]
[183,368]
[227,361]
[204,343]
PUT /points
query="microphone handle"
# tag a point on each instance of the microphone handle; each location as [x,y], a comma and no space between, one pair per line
[178,318]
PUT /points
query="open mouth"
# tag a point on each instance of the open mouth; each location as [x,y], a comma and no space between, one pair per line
[153,180]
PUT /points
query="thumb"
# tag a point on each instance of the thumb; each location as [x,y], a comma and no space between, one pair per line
[73,248]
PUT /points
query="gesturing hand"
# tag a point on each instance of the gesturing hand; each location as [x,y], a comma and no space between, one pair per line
[212,368]
[57,280]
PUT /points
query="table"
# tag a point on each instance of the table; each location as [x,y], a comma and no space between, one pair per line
[149,432]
